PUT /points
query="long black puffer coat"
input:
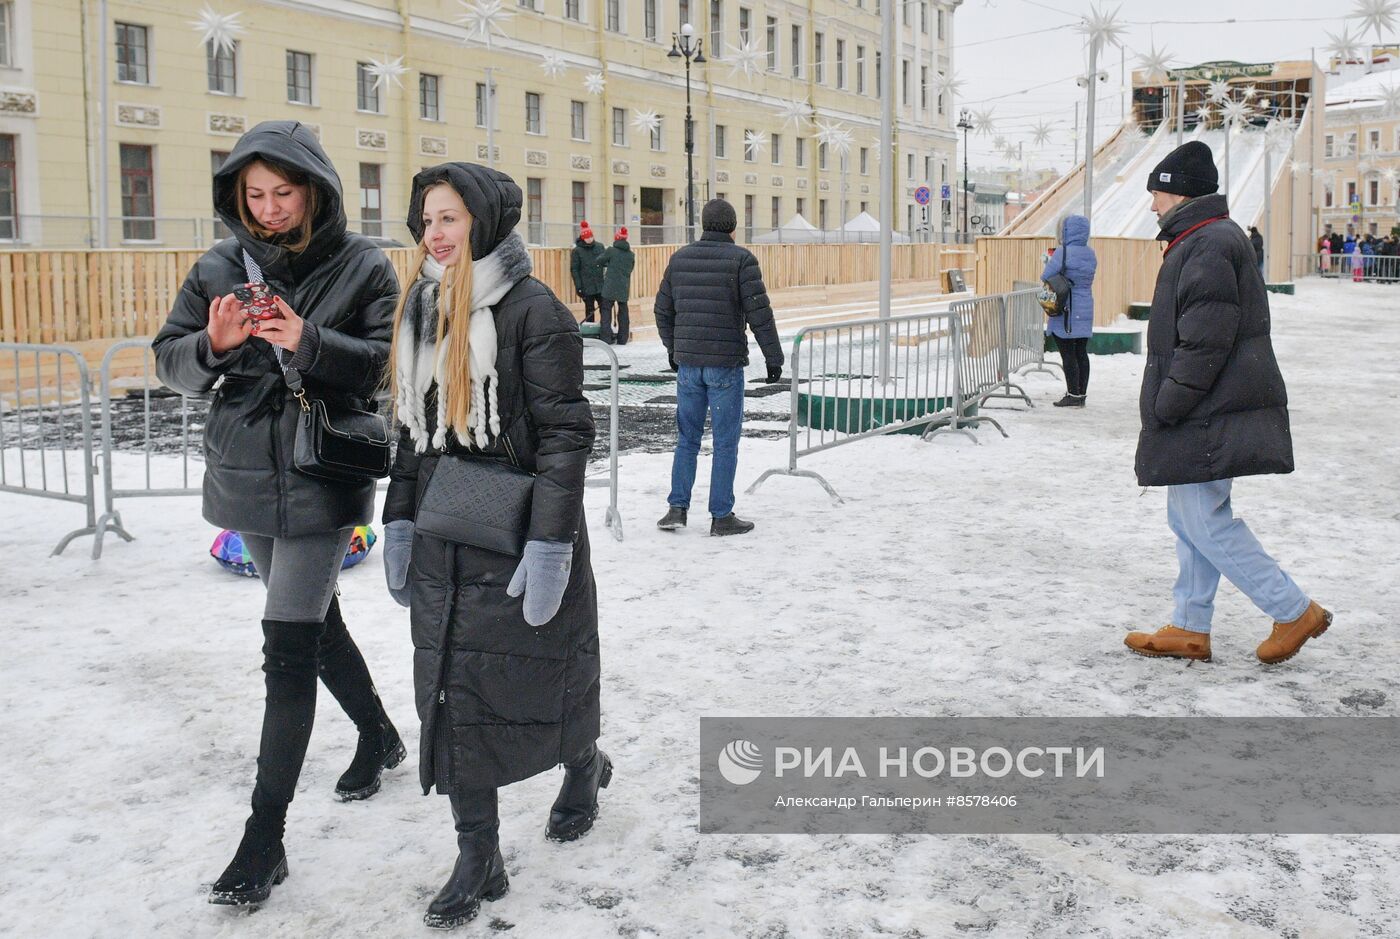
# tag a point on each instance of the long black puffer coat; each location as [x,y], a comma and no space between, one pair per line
[501,700]
[1213,401]
[345,289]
[711,290]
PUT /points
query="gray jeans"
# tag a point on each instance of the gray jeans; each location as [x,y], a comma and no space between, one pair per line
[299,573]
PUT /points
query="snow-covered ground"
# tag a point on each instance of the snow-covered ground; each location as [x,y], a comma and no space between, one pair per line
[956,580]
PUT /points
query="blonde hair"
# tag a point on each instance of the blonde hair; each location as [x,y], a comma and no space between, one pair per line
[297,178]
[454,295]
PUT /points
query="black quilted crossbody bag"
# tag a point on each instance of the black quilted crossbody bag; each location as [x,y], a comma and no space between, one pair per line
[478,502]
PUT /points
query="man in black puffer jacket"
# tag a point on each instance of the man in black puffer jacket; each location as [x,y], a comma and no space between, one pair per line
[1213,407]
[711,289]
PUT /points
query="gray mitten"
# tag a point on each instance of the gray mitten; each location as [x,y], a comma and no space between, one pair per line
[542,576]
[398,550]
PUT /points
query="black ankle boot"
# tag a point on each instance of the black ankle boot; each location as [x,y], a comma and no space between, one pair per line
[289,668]
[480,871]
[575,809]
[259,864]
[346,676]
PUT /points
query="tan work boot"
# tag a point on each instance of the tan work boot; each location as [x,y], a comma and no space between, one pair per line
[1287,638]
[1171,642]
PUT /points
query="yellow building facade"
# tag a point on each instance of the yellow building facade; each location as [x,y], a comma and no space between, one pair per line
[578,146]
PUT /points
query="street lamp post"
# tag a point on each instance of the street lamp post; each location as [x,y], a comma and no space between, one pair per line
[964,125]
[685,46]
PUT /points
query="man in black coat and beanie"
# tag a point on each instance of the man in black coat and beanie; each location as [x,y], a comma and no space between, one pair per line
[1213,407]
[712,288]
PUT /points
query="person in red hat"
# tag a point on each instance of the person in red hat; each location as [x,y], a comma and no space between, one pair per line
[586,266]
[618,262]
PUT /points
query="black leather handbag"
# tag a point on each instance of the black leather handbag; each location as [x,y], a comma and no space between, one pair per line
[338,443]
[478,502]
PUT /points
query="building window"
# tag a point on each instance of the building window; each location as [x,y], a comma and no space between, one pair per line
[904,82]
[571,10]
[619,127]
[429,97]
[579,195]
[1373,140]
[371,200]
[908,6]
[217,158]
[719,141]
[800,155]
[860,70]
[716,28]
[649,18]
[481,106]
[527,5]
[1327,146]
[748,151]
[940,23]
[923,87]
[776,209]
[909,171]
[578,120]
[801,206]
[138,192]
[7,19]
[534,118]
[796,52]
[821,155]
[9,189]
[744,23]
[841,63]
[1351,193]
[298,77]
[821,214]
[1351,144]
[366,90]
[1373,192]
[222,68]
[748,218]
[771,37]
[133,54]
[819,57]
[534,209]
[923,16]
[879,76]
[656,134]
[775,152]
[619,206]
[865,161]
[614,16]
[682,12]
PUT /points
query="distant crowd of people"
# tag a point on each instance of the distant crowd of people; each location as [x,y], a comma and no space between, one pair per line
[1376,258]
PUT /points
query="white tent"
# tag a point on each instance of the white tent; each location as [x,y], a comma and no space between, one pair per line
[866,228]
[796,230]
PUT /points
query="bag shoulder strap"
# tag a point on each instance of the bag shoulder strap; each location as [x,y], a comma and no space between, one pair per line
[255,276]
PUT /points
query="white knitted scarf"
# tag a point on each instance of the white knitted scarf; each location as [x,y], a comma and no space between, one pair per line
[420,364]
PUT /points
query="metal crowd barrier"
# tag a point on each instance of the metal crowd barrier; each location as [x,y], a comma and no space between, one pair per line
[613,518]
[1356,267]
[38,427]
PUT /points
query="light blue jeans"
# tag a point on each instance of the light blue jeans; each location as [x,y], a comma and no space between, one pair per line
[719,391]
[1210,541]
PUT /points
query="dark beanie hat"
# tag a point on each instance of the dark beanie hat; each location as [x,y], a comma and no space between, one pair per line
[718,215]
[1189,171]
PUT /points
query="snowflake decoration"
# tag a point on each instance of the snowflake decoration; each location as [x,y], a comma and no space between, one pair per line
[1344,46]
[1249,92]
[647,121]
[1300,167]
[220,30]
[1204,113]
[948,84]
[553,64]
[1011,152]
[746,57]
[387,72]
[999,143]
[483,18]
[985,122]
[755,142]
[1156,63]
[1236,112]
[1040,133]
[594,83]
[1376,14]
[1390,174]
[1103,29]
[841,144]
[1218,90]
[796,112]
[836,137]
[1279,133]
[1390,99]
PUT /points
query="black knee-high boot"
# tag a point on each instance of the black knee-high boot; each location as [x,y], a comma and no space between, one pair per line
[347,677]
[289,667]
[480,871]
[577,805]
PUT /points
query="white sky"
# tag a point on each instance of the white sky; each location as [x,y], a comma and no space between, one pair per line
[1031,77]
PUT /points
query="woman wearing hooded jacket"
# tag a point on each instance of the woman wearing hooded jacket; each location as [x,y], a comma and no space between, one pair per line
[280,196]
[488,366]
[1078,262]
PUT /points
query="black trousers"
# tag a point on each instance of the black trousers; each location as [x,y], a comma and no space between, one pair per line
[1075,355]
[605,331]
[589,302]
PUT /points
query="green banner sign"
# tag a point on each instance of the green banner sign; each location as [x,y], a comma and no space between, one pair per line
[1212,71]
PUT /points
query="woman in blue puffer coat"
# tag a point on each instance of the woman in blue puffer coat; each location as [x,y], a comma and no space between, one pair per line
[1077,261]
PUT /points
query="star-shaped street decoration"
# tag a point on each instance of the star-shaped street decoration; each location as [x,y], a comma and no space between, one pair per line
[647,121]
[553,64]
[796,112]
[746,57]
[221,30]
[483,20]
[1156,63]
[755,142]
[594,83]
[387,72]
[1376,14]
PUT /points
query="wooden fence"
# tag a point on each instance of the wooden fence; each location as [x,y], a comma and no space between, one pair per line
[99,296]
[1127,269]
